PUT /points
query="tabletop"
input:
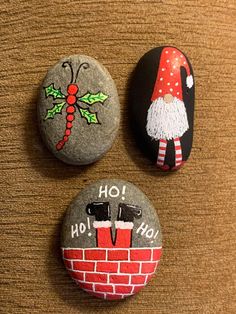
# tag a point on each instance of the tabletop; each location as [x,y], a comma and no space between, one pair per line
[196,205]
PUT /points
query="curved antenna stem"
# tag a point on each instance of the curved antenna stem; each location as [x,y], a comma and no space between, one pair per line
[64,65]
[83,65]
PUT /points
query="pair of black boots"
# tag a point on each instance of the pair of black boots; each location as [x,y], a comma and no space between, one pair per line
[126,212]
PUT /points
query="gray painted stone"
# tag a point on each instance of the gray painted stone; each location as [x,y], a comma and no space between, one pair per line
[111,239]
[87,143]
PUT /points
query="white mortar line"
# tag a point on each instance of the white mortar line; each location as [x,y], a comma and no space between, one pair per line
[95,272]
[118,270]
[145,281]
[129,252]
[155,267]
[128,285]
[106,255]
[104,261]
[105,293]
[114,248]
[122,274]
[129,280]
[114,285]
[75,260]
[140,267]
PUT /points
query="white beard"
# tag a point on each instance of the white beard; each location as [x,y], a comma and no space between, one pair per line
[166,121]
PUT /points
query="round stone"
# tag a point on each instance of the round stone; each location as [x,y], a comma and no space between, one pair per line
[111,239]
[79,94]
[162,106]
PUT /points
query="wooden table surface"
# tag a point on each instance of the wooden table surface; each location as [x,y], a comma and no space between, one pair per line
[196,206]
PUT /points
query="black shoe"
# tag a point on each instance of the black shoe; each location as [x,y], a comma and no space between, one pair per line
[128,212]
[101,210]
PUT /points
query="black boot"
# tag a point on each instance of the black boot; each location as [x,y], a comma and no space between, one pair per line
[101,210]
[128,212]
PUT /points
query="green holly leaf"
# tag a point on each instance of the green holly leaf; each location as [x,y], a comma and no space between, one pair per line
[91,99]
[89,116]
[52,91]
[57,108]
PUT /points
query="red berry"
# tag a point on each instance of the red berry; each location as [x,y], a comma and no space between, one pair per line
[68,132]
[70,117]
[70,109]
[71,99]
[69,125]
[59,145]
[72,89]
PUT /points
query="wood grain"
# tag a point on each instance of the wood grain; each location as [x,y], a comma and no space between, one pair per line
[196,206]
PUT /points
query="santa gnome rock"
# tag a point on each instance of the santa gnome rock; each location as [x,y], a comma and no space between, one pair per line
[167,118]
[162,106]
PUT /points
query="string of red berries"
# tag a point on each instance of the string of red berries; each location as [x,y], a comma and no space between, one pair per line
[71,100]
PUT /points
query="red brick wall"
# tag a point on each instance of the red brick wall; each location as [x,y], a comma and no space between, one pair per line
[111,273]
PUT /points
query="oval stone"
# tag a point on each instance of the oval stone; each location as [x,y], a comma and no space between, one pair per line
[111,239]
[162,106]
[78,110]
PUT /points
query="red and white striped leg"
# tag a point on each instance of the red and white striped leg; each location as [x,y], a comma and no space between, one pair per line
[178,152]
[161,153]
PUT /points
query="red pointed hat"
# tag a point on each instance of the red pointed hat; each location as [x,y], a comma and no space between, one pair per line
[168,77]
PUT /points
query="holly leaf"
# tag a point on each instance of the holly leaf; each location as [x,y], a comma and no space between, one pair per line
[57,108]
[53,92]
[91,99]
[89,116]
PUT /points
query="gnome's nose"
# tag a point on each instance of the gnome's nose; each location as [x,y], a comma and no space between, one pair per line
[168,98]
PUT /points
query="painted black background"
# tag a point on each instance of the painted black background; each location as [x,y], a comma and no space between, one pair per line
[141,89]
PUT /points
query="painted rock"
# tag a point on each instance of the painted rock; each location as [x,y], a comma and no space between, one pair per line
[111,239]
[78,110]
[162,106]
